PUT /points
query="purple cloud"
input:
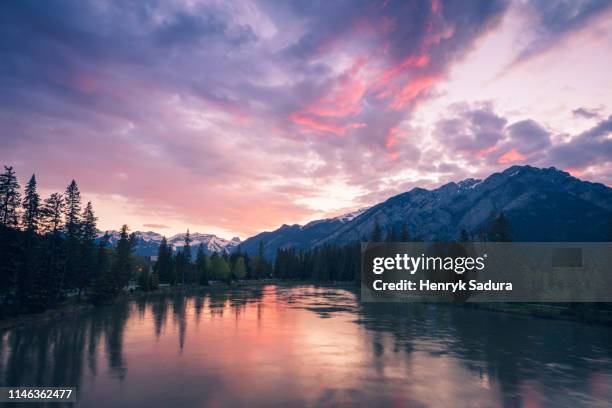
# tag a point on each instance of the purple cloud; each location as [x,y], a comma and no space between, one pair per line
[240,115]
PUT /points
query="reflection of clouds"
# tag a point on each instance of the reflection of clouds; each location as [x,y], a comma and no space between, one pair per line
[310,346]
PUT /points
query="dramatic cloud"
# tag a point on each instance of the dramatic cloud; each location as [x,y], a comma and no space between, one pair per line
[523,142]
[233,117]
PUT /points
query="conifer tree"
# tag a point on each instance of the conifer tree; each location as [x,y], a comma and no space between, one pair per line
[50,277]
[104,285]
[179,268]
[88,239]
[10,198]
[72,211]
[202,266]
[29,247]
[122,265]
[163,266]
[186,258]
[73,229]
[52,213]
[31,207]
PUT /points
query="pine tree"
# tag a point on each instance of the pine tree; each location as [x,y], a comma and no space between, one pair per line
[10,198]
[50,282]
[88,239]
[122,265]
[202,266]
[52,213]
[104,285]
[186,265]
[163,266]
[29,247]
[73,211]
[31,207]
[73,229]
[89,229]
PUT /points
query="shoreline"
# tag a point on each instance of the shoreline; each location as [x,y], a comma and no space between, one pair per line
[74,306]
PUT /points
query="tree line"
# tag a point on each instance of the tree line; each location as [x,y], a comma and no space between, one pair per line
[51,250]
[342,262]
[181,267]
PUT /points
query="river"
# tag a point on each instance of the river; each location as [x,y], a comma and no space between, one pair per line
[309,346]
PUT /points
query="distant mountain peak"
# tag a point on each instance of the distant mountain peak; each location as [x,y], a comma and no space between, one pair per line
[147,242]
[544,204]
[350,216]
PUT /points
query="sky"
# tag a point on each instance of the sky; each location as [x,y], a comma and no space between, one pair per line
[234,117]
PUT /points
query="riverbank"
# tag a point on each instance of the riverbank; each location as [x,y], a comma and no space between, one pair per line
[74,306]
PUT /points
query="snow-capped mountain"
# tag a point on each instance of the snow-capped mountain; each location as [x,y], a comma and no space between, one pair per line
[540,204]
[147,242]
[349,217]
[211,243]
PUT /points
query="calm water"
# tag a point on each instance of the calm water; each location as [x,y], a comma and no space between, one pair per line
[309,346]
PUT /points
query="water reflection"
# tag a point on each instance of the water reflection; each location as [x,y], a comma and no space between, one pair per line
[309,346]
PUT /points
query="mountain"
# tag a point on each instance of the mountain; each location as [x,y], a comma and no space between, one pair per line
[296,236]
[212,243]
[541,204]
[147,243]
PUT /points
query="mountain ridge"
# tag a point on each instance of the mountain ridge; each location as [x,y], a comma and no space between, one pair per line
[560,206]
[544,204]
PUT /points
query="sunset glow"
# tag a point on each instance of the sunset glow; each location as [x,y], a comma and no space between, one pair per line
[236,117]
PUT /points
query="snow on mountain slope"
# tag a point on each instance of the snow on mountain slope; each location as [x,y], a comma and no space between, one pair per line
[147,243]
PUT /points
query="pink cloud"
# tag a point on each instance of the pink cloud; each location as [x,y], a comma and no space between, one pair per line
[574,171]
[486,151]
[409,62]
[511,156]
[412,90]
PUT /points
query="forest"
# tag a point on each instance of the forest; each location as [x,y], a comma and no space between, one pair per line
[51,251]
